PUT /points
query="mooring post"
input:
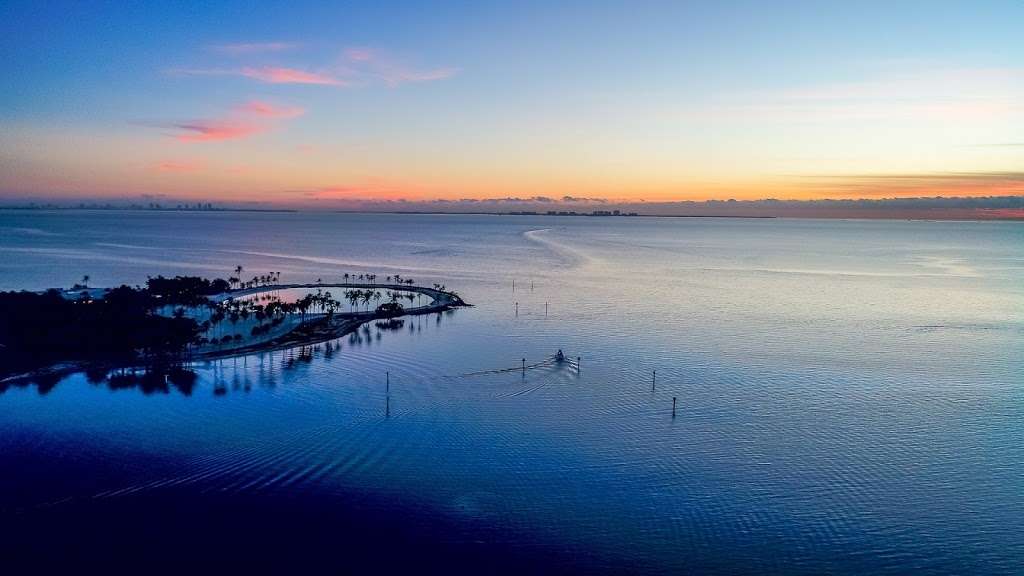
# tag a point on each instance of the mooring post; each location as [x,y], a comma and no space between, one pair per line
[387,386]
[513,284]
[517,308]
[387,407]
[531,285]
[673,406]
[524,368]
[577,364]
[545,308]
[654,376]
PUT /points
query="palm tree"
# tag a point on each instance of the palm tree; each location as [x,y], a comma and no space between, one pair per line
[85,280]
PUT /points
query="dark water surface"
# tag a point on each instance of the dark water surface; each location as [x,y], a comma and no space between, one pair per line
[850,400]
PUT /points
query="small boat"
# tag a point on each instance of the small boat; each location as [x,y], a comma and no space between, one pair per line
[559,357]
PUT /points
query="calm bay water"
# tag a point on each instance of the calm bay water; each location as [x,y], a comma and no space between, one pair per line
[850,399]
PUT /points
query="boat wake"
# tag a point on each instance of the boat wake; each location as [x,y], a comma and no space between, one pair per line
[564,252]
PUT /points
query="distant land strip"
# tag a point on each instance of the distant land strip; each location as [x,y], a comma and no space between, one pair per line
[916,208]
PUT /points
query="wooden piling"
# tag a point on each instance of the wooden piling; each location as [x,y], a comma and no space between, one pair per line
[654,376]
[673,406]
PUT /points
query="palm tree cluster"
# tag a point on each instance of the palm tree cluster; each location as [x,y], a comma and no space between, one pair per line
[443,288]
[355,297]
[371,278]
[394,296]
[268,315]
[397,279]
[267,279]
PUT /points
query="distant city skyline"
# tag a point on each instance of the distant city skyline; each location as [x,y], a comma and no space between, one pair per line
[453,106]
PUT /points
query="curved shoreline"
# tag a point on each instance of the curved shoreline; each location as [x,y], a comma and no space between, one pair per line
[313,332]
[340,324]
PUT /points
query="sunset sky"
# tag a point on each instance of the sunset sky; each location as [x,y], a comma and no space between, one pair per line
[303,104]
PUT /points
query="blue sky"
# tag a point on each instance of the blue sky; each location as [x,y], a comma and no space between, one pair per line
[623,100]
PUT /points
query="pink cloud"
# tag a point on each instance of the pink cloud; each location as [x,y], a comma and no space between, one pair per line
[360,65]
[375,64]
[243,48]
[267,110]
[396,76]
[216,130]
[246,120]
[179,166]
[360,54]
[276,75]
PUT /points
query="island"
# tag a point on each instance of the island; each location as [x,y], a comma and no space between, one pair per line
[171,322]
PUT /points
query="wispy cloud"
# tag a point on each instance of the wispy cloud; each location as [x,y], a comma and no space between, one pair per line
[216,130]
[245,120]
[358,66]
[268,110]
[179,166]
[946,93]
[366,198]
[374,64]
[359,54]
[246,48]
[266,74]
[994,183]
[278,75]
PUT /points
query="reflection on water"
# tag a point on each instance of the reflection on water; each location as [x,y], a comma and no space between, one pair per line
[849,401]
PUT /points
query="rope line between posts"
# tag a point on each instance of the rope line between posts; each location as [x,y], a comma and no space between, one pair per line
[548,362]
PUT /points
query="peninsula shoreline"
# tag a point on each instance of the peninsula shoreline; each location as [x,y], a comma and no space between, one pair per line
[321,328]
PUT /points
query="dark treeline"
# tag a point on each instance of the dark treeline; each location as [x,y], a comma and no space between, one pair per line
[152,325]
[185,289]
[39,329]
